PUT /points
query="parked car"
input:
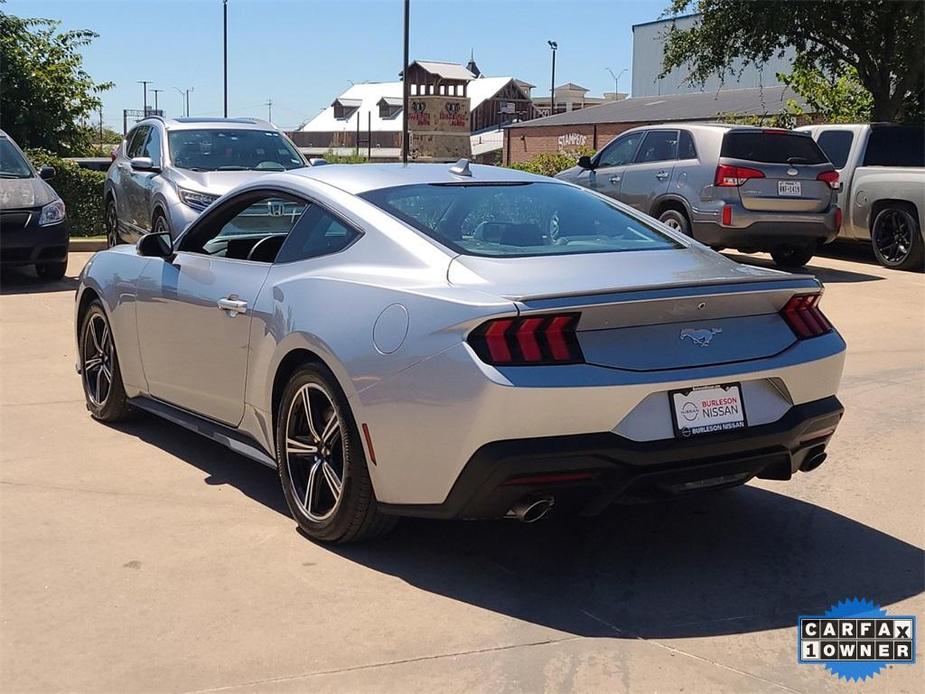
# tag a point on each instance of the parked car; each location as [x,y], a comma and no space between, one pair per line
[881,167]
[751,189]
[167,171]
[33,219]
[459,342]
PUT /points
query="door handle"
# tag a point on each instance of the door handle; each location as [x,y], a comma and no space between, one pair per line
[232,305]
[614,179]
[661,175]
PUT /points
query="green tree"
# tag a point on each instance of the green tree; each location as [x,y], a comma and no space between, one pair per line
[46,97]
[882,40]
[838,98]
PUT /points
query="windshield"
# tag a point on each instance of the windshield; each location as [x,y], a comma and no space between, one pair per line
[12,163]
[232,150]
[523,219]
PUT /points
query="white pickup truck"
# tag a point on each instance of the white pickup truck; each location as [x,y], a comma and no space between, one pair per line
[881,169]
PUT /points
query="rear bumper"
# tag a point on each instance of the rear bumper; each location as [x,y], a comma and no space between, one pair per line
[762,231]
[32,244]
[618,469]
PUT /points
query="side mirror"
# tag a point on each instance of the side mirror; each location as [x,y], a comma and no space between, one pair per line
[585,162]
[155,245]
[47,172]
[143,164]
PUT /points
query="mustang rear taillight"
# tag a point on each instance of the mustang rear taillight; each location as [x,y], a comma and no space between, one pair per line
[732,176]
[804,317]
[528,341]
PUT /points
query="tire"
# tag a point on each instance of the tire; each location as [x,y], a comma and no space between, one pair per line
[99,368]
[793,257]
[897,238]
[326,484]
[111,222]
[676,220]
[51,271]
[160,225]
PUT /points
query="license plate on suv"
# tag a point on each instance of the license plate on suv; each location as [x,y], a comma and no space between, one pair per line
[789,188]
[707,409]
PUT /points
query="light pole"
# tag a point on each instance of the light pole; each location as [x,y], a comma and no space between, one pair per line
[156,92]
[616,82]
[144,90]
[184,98]
[552,85]
[225,44]
[405,89]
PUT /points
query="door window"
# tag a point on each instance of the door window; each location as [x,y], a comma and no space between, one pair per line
[152,146]
[253,228]
[136,141]
[659,145]
[620,151]
[317,233]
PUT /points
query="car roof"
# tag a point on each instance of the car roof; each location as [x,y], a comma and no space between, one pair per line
[203,123]
[359,178]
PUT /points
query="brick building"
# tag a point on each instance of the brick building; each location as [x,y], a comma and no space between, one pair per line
[593,127]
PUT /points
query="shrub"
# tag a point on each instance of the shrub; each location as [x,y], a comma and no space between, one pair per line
[81,190]
[356,158]
[551,163]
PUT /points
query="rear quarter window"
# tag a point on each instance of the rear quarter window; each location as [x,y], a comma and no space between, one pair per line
[895,146]
[772,147]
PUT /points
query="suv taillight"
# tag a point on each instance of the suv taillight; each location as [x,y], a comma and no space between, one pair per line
[528,341]
[731,176]
[804,317]
[830,177]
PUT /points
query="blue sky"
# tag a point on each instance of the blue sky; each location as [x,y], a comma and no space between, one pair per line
[303,53]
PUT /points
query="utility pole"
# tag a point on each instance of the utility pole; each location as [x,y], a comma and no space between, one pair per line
[269,106]
[144,89]
[552,85]
[155,92]
[101,126]
[225,43]
[406,91]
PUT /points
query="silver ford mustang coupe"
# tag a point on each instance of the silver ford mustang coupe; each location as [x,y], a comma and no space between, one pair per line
[459,342]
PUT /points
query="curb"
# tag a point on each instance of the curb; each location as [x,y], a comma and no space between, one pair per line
[83,245]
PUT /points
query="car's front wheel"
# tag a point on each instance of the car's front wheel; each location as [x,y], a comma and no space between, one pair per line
[51,271]
[793,257]
[99,367]
[321,462]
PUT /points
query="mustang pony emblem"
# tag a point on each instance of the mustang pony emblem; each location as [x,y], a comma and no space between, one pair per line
[700,336]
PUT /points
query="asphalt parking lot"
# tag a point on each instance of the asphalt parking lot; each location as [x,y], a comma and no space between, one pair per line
[143,558]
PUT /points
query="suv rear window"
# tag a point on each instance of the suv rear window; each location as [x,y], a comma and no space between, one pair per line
[771,147]
[894,145]
[518,219]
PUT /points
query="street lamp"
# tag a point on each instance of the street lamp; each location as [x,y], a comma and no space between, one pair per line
[225,44]
[616,82]
[156,92]
[144,90]
[184,95]
[552,85]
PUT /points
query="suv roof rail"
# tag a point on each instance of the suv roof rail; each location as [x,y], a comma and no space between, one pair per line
[212,119]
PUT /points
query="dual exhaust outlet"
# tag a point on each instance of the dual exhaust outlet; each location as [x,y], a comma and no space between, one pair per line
[531,508]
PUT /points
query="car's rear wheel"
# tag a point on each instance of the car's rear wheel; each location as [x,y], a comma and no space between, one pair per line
[321,462]
[677,220]
[102,379]
[112,224]
[51,271]
[897,239]
[793,256]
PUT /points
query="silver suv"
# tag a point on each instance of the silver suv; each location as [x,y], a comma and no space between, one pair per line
[751,189]
[167,171]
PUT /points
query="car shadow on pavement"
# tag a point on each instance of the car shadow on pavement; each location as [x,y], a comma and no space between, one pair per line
[731,562]
[23,280]
[734,562]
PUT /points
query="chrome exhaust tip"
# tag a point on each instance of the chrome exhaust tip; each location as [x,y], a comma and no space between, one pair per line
[531,509]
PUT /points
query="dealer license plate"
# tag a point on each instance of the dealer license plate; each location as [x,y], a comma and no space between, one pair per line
[789,188]
[707,409]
